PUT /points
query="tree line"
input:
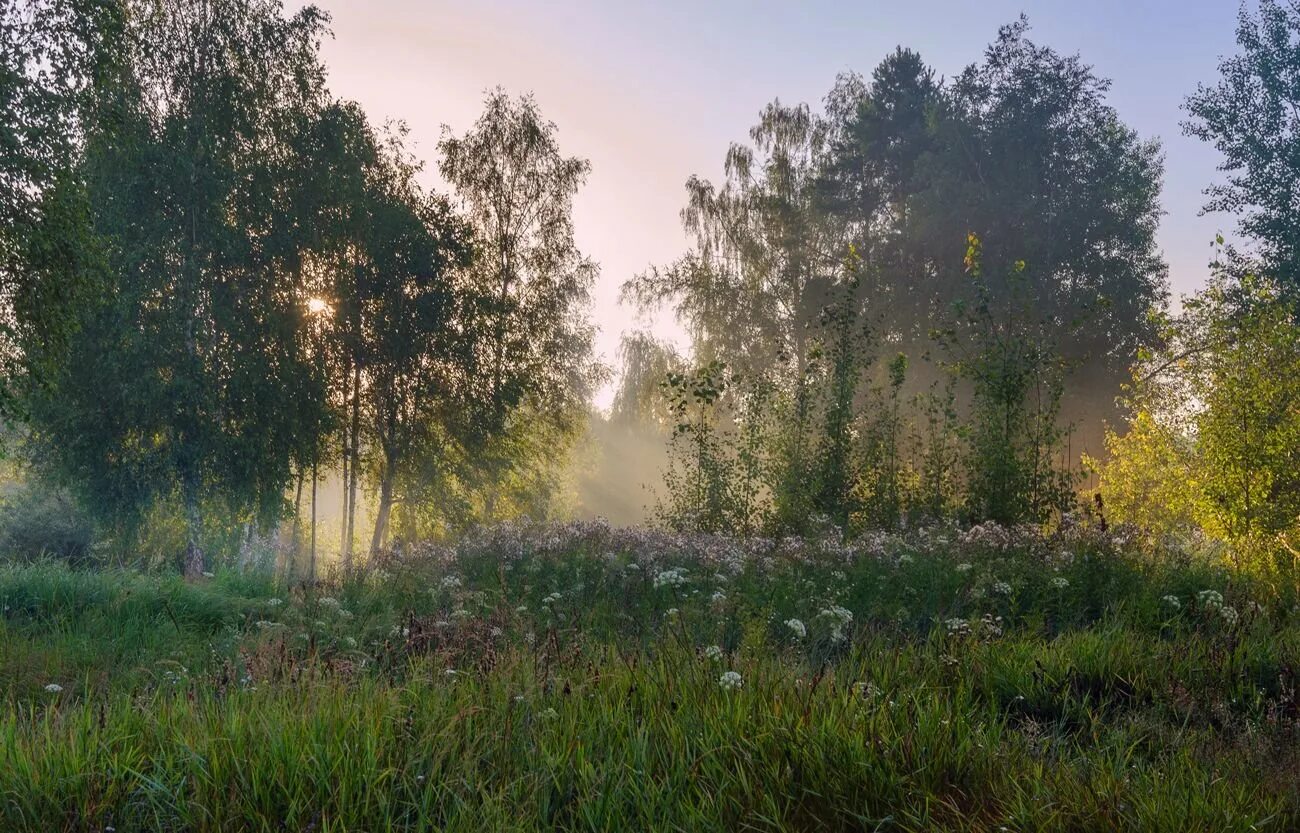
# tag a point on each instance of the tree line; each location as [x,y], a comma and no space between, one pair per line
[916,302]
[943,298]
[223,279]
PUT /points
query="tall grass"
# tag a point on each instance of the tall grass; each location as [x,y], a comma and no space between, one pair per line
[578,679]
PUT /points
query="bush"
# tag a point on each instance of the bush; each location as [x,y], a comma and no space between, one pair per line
[38,521]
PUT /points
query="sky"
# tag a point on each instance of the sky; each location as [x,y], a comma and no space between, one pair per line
[653,91]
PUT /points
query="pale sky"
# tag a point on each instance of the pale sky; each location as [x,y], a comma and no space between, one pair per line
[652,92]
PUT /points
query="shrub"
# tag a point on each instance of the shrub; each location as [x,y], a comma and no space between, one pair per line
[39,521]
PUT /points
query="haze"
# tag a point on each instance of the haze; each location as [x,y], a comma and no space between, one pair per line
[653,92]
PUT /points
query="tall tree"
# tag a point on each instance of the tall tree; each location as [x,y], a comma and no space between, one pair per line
[420,328]
[765,254]
[180,380]
[1022,150]
[52,52]
[1252,116]
[517,189]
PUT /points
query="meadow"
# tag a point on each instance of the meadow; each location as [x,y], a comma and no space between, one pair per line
[578,677]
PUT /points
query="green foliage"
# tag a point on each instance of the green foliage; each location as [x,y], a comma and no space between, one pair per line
[535,355]
[178,381]
[1217,423]
[1251,116]
[52,54]
[1020,150]
[39,521]
[230,281]
[712,479]
[1148,476]
[554,677]
[1014,438]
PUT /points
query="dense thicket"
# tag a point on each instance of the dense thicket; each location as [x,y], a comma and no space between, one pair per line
[833,269]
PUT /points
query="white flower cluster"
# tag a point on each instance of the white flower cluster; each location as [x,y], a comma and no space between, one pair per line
[730,681]
[1002,588]
[797,627]
[674,577]
[719,598]
[1060,582]
[1173,601]
[991,625]
[1210,599]
[990,535]
[451,582]
[964,567]
[839,619]
[957,627]
[713,652]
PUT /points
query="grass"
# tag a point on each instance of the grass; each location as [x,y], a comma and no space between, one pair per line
[569,679]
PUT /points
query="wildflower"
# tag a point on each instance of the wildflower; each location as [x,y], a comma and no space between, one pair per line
[54,688]
[839,618]
[798,628]
[549,714]
[328,601]
[865,691]
[209,575]
[266,625]
[521,609]
[713,652]
[730,681]
[349,642]
[964,567]
[449,672]
[1060,582]
[551,599]
[274,602]
[1172,601]
[718,598]
[671,612]
[674,577]
[1229,614]
[1210,598]
[451,582]
[991,625]
[1002,588]
[957,627]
